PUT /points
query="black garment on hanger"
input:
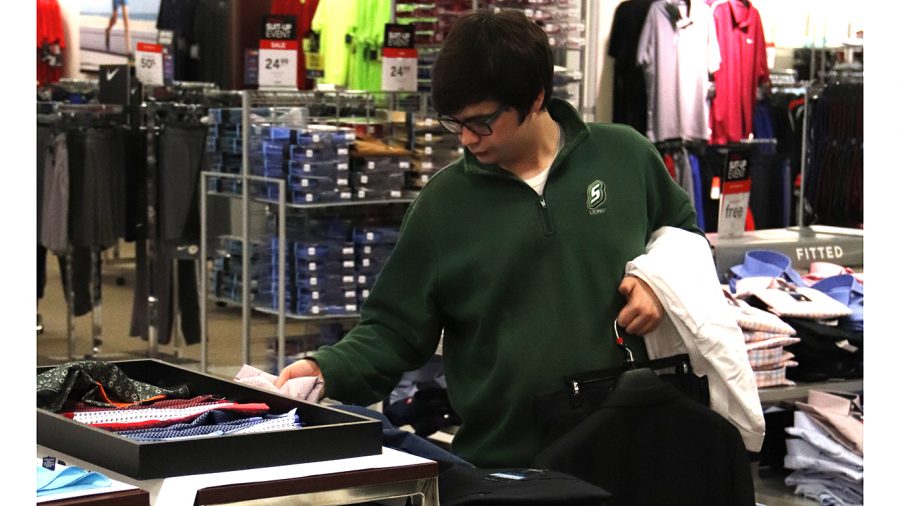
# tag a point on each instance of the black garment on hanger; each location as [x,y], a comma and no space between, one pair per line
[44,135]
[178,16]
[561,411]
[97,187]
[81,280]
[629,88]
[654,445]
[212,33]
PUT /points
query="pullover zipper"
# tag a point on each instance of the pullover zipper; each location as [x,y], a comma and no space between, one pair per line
[545,216]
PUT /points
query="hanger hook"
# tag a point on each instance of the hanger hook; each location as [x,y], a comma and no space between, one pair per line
[629,358]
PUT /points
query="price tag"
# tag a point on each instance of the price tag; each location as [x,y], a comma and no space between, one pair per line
[399,70]
[148,62]
[735,197]
[278,63]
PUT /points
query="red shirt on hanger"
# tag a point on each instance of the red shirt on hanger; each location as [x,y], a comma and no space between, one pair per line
[743,68]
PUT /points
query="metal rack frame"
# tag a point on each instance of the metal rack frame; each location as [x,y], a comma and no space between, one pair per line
[249,99]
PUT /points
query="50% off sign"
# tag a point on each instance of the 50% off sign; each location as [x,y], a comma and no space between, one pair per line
[148,59]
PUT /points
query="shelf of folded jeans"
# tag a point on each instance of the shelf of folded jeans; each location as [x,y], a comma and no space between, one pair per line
[843,246]
[801,390]
[312,317]
[313,205]
[373,202]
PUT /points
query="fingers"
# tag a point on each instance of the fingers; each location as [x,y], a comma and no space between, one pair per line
[638,321]
[298,369]
[627,285]
[642,312]
[283,377]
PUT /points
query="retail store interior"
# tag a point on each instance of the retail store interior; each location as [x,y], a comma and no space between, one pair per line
[181,177]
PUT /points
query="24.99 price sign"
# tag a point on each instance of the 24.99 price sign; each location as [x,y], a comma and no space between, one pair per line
[399,71]
[148,63]
[278,63]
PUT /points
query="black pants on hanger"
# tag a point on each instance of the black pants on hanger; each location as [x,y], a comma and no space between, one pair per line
[187,297]
[81,280]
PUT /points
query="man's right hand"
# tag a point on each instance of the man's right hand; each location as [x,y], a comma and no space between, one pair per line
[301,368]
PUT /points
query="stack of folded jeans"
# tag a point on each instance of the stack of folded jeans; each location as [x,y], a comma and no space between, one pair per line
[825,449]
[382,177]
[319,164]
[373,247]
[325,276]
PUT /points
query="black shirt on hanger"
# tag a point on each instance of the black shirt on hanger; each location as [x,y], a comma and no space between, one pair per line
[629,88]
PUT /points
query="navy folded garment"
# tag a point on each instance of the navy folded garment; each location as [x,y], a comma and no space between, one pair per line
[824,351]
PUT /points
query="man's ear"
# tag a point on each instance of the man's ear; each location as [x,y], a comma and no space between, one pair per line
[538,102]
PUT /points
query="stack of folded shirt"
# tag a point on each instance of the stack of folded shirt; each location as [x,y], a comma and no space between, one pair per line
[765,335]
[839,283]
[826,449]
[827,316]
[764,264]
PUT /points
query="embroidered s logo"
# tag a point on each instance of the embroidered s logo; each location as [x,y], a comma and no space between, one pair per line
[596,197]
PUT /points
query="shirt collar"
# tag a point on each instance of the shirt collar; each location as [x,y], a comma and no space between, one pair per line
[573,128]
[740,13]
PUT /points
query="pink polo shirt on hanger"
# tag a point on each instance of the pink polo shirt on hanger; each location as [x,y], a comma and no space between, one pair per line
[743,68]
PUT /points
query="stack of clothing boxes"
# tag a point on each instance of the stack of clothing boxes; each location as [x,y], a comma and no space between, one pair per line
[225,277]
[375,178]
[314,160]
[373,247]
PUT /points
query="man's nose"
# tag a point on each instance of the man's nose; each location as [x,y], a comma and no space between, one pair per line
[467,137]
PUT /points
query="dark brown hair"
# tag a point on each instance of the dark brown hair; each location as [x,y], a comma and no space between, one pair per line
[502,56]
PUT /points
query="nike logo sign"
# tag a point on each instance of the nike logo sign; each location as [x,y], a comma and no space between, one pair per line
[111,73]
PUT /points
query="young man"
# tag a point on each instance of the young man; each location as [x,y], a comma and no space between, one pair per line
[516,251]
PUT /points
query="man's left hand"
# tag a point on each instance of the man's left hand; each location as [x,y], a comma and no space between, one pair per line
[643,311]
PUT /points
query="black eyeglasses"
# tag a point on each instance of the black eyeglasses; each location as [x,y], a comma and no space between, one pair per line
[480,126]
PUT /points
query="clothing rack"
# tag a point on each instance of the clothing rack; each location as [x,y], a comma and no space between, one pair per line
[66,115]
[824,138]
[154,116]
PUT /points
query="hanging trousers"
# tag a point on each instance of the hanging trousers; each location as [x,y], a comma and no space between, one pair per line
[178,223]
